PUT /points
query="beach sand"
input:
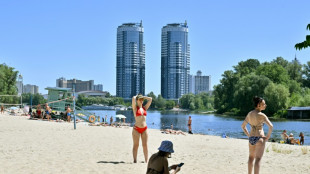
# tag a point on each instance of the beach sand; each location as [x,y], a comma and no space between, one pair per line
[34,146]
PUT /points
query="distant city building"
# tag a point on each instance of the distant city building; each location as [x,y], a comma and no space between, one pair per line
[33,89]
[79,84]
[191,84]
[98,87]
[19,85]
[199,83]
[130,60]
[175,61]
[93,93]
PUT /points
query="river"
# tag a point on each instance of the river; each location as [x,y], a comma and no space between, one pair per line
[209,124]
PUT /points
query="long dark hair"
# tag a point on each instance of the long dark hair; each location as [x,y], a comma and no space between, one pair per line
[257,100]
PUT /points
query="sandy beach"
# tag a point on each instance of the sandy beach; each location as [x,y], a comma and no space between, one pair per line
[35,146]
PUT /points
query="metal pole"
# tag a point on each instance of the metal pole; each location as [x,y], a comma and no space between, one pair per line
[21,95]
[30,100]
[74,106]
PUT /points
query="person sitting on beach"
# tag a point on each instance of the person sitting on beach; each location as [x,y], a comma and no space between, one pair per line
[13,112]
[302,138]
[158,163]
[224,135]
[30,111]
[38,113]
[284,136]
[2,109]
[140,127]
[257,138]
[68,112]
[292,140]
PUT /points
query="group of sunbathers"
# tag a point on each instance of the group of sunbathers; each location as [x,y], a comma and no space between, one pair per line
[289,139]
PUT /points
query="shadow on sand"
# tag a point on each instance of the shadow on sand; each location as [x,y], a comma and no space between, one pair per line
[112,162]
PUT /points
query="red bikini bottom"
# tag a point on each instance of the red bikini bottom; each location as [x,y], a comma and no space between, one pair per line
[140,130]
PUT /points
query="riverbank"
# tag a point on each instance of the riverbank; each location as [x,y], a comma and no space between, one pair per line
[33,146]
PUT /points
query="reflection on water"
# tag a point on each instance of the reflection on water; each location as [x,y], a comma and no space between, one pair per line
[209,123]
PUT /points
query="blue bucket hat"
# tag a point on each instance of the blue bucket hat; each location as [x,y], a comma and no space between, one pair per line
[166,146]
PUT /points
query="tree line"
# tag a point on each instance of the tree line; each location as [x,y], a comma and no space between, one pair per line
[202,101]
[281,83]
[108,100]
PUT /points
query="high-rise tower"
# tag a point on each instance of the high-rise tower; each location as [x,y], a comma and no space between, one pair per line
[175,61]
[130,60]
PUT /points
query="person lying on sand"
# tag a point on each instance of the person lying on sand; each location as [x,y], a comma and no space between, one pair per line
[175,132]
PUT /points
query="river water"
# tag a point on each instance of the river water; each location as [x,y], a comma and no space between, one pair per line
[209,124]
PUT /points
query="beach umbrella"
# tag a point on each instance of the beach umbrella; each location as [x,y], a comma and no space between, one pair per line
[80,114]
[13,108]
[120,116]
[26,109]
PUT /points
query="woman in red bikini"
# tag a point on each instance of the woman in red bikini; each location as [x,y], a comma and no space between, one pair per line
[140,128]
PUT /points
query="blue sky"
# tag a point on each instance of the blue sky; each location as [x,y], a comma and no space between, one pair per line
[45,40]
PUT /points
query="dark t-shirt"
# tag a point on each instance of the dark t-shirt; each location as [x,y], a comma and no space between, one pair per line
[157,165]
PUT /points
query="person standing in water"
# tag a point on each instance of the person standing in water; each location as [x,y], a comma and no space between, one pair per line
[140,127]
[189,124]
[257,138]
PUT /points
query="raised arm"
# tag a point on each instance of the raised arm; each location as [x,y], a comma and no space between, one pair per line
[133,104]
[243,126]
[269,125]
[148,104]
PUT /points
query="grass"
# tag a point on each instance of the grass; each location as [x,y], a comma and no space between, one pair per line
[279,149]
[304,150]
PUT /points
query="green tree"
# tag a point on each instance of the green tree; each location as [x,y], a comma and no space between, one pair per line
[108,95]
[280,61]
[246,67]
[295,100]
[295,70]
[154,99]
[306,98]
[306,75]
[208,100]
[246,88]
[8,84]
[293,86]
[187,101]
[36,99]
[170,104]
[276,97]
[276,73]
[198,102]
[224,92]
[161,102]
[304,44]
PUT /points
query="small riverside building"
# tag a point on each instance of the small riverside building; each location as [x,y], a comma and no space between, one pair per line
[299,113]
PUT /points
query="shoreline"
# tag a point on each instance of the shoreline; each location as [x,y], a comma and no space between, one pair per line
[32,146]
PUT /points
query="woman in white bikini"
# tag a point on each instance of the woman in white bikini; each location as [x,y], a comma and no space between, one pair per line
[257,138]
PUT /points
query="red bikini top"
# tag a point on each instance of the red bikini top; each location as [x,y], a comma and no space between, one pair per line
[138,113]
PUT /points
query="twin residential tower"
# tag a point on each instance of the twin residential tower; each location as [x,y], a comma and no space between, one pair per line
[130,58]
